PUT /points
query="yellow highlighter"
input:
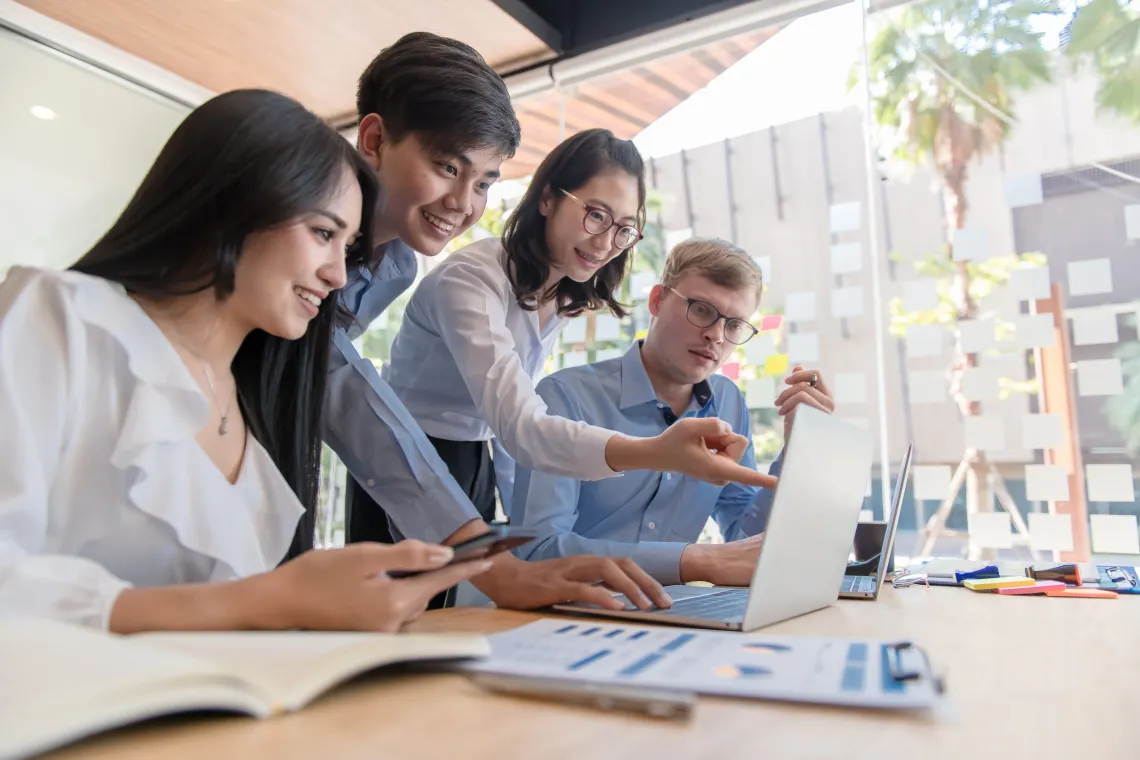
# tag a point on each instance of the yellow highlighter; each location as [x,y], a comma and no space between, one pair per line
[991,584]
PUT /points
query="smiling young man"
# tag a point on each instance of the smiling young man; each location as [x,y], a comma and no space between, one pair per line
[708,291]
[436,123]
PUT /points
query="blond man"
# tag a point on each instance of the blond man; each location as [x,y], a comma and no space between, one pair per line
[700,314]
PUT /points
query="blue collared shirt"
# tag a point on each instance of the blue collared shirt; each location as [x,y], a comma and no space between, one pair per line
[646,516]
[371,431]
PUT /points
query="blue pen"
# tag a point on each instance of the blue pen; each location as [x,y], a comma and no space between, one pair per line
[989,571]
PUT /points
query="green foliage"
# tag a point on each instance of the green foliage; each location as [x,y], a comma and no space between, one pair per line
[1123,411]
[1106,33]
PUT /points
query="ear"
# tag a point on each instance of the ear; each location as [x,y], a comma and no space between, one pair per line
[546,201]
[371,137]
[655,297]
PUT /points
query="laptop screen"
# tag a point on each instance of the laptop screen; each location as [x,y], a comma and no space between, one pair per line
[893,518]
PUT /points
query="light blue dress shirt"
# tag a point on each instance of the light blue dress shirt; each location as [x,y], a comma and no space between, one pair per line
[646,516]
[369,428]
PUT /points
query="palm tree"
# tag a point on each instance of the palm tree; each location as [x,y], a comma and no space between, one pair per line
[943,77]
[1107,33]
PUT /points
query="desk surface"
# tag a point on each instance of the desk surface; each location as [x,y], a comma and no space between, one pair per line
[1027,678]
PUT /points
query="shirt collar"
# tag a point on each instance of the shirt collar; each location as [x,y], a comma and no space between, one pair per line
[636,387]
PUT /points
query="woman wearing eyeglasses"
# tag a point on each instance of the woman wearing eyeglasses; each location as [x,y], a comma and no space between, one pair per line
[481,325]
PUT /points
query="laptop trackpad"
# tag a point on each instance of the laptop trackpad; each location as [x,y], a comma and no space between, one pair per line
[675,593]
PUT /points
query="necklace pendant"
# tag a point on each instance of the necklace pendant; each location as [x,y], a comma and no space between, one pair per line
[225,426]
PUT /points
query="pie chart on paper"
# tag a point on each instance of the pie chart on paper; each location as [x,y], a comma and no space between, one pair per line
[741,671]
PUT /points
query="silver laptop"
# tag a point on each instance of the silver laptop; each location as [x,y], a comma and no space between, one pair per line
[868,586]
[814,513]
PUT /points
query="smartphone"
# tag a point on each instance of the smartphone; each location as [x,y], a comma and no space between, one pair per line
[501,538]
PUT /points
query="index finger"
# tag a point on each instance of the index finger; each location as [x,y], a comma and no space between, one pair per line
[724,469]
[431,583]
[804,376]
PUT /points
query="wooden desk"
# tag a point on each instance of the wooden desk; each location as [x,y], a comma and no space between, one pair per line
[1027,678]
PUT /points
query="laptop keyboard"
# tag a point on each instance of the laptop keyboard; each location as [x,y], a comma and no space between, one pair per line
[719,605]
[857,583]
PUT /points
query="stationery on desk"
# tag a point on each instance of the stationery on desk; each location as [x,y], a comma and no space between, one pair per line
[834,671]
[1009,578]
[61,682]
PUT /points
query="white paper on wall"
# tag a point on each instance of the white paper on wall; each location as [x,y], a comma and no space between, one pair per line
[1046,482]
[846,217]
[1035,331]
[575,331]
[1114,534]
[1029,283]
[1023,190]
[847,302]
[866,515]
[1094,327]
[977,335]
[1051,532]
[980,384]
[985,432]
[606,354]
[1090,278]
[760,348]
[1042,431]
[760,392]
[932,482]
[971,244]
[1110,482]
[1132,222]
[672,237]
[850,388]
[927,386]
[799,307]
[573,359]
[920,295]
[765,264]
[846,258]
[607,327]
[641,284]
[1100,377]
[925,340]
[990,530]
[803,347]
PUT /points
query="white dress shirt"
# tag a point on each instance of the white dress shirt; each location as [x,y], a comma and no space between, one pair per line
[102,484]
[467,357]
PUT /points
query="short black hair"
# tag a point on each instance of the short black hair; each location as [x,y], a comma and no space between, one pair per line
[443,91]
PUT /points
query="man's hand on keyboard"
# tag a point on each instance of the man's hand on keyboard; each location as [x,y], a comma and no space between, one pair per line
[730,564]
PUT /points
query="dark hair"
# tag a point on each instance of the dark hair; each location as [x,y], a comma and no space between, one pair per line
[242,162]
[571,165]
[443,91]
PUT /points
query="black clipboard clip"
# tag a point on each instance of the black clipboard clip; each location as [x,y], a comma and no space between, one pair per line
[898,673]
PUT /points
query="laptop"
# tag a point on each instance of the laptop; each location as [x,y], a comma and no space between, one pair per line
[815,510]
[868,586]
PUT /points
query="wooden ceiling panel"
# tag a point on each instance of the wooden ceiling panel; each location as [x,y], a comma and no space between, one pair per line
[311,50]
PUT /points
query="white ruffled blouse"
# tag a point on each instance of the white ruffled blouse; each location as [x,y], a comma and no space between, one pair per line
[102,484]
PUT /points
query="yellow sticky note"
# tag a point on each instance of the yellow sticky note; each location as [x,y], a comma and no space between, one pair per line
[641,334]
[989,584]
[776,364]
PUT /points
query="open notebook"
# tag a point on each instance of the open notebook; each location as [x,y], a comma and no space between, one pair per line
[59,683]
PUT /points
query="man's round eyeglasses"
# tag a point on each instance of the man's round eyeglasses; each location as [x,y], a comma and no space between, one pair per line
[598,221]
[704,314]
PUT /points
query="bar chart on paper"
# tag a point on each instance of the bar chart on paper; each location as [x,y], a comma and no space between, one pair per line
[861,673]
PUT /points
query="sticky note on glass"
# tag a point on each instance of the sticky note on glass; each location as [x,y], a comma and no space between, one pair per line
[760,392]
[1035,331]
[1046,482]
[1110,482]
[1114,534]
[607,327]
[1023,190]
[971,244]
[850,388]
[1050,532]
[1042,431]
[866,515]
[575,331]
[847,302]
[1100,377]
[993,584]
[759,348]
[776,364]
[846,258]
[925,340]
[920,295]
[1029,284]
[845,217]
[771,322]
[977,335]
[573,359]
[803,347]
[980,384]
[1132,222]
[612,353]
[673,237]
[985,432]
[1095,327]
[931,482]
[1090,278]
[926,386]
[799,307]
[765,264]
[641,284]
[990,530]
[731,370]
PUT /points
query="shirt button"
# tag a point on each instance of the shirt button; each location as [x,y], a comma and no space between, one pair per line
[370,483]
[653,526]
[668,476]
